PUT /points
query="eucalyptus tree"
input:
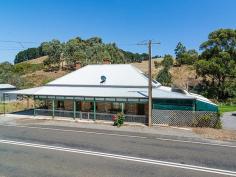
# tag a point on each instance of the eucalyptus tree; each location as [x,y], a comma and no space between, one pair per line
[217,63]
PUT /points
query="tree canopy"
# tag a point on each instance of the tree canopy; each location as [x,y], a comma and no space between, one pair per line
[88,51]
[29,54]
[217,63]
[184,56]
[167,61]
[164,76]
[179,50]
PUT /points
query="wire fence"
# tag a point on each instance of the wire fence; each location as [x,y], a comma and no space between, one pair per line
[184,118]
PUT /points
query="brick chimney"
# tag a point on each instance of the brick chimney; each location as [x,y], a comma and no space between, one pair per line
[106,61]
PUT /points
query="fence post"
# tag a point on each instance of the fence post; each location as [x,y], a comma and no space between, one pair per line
[27,102]
[34,106]
[53,108]
[122,108]
[94,110]
[74,110]
[4,106]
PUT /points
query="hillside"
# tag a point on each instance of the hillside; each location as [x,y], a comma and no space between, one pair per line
[182,76]
[41,77]
[143,66]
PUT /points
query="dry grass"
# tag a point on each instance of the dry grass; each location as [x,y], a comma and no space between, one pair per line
[143,66]
[41,77]
[184,76]
[218,134]
[181,76]
[37,60]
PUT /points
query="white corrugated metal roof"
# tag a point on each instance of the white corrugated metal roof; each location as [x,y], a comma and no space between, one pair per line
[30,91]
[116,75]
[6,86]
[193,95]
[201,98]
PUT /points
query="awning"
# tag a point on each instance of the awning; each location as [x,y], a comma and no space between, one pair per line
[99,92]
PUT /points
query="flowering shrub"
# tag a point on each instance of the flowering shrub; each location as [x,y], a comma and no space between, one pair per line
[118,119]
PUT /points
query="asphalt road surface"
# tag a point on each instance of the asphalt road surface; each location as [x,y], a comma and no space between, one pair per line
[62,151]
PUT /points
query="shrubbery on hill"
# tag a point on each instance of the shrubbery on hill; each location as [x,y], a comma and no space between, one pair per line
[89,51]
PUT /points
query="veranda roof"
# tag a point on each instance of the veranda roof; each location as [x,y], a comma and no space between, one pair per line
[6,86]
[99,92]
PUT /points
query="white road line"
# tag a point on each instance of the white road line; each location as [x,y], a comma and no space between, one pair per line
[196,142]
[122,157]
[122,135]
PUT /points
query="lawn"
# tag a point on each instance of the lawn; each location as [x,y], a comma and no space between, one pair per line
[227,108]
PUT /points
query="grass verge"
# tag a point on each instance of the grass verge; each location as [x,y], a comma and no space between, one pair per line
[227,108]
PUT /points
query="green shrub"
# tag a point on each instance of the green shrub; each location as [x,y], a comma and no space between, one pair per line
[206,121]
[118,119]
[25,68]
[218,123]
[156,64]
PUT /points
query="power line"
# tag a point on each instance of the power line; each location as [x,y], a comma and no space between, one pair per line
[9,49]
[21,43]
[125,43]
[9,41]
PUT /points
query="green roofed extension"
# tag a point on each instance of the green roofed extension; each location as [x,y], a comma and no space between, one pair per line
[174,104]
[204,106]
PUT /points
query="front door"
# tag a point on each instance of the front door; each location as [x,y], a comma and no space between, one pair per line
[141,109]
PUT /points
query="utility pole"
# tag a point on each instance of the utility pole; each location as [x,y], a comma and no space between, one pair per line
[149,44]
[150,83]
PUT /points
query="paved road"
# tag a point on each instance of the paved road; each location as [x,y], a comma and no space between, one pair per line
[53,152]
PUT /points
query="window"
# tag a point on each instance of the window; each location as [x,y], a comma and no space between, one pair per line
[116,105]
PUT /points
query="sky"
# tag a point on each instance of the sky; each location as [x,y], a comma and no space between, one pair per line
[126,22]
